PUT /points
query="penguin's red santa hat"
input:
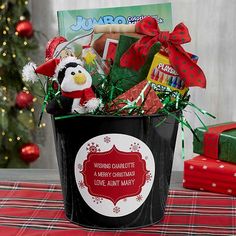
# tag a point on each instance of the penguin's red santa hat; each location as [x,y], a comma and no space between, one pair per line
[50,68]
[30,71]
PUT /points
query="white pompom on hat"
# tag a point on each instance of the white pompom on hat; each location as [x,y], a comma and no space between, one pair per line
[28,73]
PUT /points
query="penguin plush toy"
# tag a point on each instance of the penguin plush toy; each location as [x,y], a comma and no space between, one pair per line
[77,95]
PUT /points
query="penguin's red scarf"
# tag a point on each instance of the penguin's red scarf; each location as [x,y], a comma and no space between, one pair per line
[84,95]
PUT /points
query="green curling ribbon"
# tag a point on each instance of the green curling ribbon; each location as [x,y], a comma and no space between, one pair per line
[201,110]
[109,88]
[161,122]
[179,103]
[67,116]
[182,141]
[43,109]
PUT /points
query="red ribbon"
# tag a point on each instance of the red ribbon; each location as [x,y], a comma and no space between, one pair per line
[180,60]
[211,139]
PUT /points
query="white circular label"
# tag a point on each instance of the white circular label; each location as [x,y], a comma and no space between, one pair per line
[114,173]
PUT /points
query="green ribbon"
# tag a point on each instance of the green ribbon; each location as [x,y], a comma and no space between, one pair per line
[182,141]
[43,109]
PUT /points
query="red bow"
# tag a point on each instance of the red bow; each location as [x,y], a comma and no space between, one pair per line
[180,60]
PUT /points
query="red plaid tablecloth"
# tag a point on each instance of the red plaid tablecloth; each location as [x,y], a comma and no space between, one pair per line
[37,209]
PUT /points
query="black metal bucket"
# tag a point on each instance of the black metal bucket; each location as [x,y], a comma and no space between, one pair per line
[115,171]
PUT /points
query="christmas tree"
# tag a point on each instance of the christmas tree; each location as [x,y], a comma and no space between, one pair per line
[17,118]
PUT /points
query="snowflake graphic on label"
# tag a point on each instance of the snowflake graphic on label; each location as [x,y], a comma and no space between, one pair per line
[139,198]
[81,184]
[148,176]
[97,199]
[92,147]
[107,139]
[134,147]
[80,167]
[113,175]
[116,209]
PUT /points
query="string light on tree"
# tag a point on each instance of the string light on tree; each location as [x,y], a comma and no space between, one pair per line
[22,18]
[43,125]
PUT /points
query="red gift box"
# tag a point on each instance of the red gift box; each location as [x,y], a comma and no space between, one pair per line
[207,174]
[218,141]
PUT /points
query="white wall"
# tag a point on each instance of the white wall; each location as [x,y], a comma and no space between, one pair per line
[212,25]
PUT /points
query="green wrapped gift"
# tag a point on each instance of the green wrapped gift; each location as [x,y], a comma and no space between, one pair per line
[125,78]
[226,148]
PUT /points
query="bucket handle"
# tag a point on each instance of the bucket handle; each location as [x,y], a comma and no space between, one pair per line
[109,28]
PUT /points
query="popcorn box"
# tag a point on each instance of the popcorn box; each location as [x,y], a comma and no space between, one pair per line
[207,174]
